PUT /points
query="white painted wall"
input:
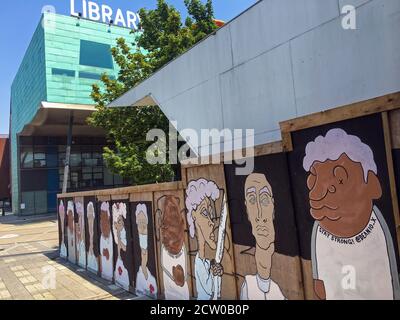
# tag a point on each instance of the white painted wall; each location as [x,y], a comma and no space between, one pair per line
[278,60]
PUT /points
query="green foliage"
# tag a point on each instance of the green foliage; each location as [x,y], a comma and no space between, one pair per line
[162,38]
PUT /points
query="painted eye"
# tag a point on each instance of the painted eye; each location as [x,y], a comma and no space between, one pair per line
[204,212]
[252,199]
[265,201]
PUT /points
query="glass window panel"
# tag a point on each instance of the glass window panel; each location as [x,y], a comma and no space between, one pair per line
[75,180]
[98,176]
[89,75]
[27,157]
[118,180]
[98,169]
[41,202]
[108,178]
[96,54]
[28,202]
[63,72]
[75,160]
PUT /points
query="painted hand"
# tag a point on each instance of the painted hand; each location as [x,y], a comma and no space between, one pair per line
[179,275]
[217,270]
[319,289]
[106,254]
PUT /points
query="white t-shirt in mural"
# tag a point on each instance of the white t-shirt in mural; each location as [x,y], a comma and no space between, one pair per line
[107,269]
[354,268]
[173,291]
[145,286]
[81,254]
[256,288]
[63,250]
[71,247]
[92,262]
[121,275]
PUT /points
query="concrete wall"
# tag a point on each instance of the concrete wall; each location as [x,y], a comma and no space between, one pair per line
[279,60]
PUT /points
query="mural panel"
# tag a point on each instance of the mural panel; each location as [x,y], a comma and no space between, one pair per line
[143,248]
[92,235]
[71,231]
[345,210]
[209,228]
[80,232]
[264,232]
[123,257]
[62,224]
[172,246]
[106,241]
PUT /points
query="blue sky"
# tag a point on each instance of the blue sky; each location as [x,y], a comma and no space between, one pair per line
[20,18]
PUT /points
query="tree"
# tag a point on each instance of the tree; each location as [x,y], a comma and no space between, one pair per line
[162,38]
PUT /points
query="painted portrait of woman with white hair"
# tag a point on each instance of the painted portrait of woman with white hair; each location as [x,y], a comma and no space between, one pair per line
[106,243]
[201,196]
[145,282]
[121,275]
[92,260]
[80,233]
[350,234]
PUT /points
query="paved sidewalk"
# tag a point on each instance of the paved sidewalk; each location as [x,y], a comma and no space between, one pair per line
[29,250]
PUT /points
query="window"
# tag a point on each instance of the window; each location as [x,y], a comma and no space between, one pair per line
[39,157]
[96,54]
[93,76]
[27,157]
[88,75]
[63,72]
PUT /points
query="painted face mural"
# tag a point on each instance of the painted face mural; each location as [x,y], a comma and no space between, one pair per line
[173,250]
[80,233]
[70,231]
[350,232]
[92,260]
[61,214]
[260,209]
[121,275]
[106,243]
[145,282]
[200,203]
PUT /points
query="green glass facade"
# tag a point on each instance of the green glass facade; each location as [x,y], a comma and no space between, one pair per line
[64,58]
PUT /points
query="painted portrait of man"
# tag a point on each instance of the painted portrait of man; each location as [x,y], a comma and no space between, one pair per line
[92,249]
[171,225]
[200,202]
[260,210]
[349,230]
[106,243]
[145,282]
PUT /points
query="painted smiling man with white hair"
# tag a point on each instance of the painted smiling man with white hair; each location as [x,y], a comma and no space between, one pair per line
[352,250]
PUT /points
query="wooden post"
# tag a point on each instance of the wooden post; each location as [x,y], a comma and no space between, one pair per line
[68,153]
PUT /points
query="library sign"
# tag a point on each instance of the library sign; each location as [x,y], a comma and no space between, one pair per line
[104,13]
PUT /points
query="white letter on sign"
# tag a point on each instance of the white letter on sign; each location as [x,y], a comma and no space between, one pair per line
[119,18]
[131,19]
[106,13]
[93,11]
